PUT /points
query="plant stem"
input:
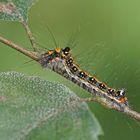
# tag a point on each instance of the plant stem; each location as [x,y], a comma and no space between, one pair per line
[35,56]
[31,54]
[30,35]
[127,110]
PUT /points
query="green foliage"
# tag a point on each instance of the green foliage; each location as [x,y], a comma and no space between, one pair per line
[15,10]
[35,109]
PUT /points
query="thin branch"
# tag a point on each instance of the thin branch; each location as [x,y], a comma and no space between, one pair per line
[126,110]
[31,54]
[35,56]
[30,35]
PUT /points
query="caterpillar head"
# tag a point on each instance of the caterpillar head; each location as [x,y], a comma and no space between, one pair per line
[65,52]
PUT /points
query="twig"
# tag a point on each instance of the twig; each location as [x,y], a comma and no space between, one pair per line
[31,54]
[126,110]
[29,33]
[35,56]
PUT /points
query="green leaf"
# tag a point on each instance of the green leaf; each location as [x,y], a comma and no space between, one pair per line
[36,109]
[15,10]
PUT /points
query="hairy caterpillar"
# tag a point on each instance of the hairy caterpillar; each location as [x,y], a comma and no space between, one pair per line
[67,67]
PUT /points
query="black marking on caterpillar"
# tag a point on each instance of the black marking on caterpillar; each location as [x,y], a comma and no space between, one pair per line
[61,61]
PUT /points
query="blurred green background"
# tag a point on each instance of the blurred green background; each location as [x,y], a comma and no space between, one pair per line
[107,36]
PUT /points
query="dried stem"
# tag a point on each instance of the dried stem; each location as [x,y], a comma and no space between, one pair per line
[29,33]
[36,56]
[127,110]
[31,54]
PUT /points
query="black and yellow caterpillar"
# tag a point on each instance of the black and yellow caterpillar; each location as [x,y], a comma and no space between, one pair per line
[64,54]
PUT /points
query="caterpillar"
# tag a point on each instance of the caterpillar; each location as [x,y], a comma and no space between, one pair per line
[61,61]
